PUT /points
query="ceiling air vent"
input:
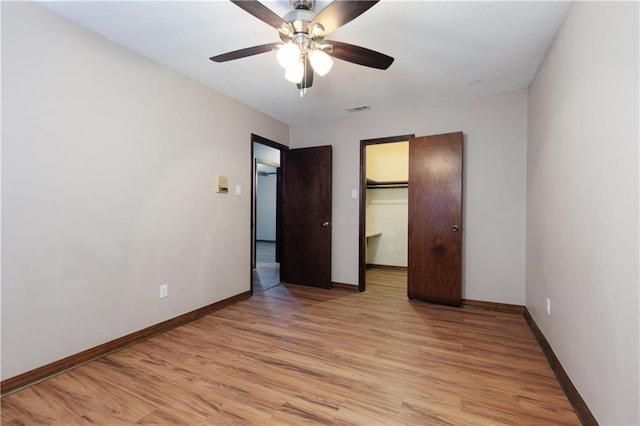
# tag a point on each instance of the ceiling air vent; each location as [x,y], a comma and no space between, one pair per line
[359,108]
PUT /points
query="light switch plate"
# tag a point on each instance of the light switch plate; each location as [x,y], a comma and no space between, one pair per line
[354,194]
[238,190]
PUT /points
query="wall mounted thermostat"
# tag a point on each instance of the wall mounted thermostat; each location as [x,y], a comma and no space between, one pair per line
[223,184]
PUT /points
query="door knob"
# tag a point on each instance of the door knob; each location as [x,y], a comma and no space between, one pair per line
[454,228]
[325,224]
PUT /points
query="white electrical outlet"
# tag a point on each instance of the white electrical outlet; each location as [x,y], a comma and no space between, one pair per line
[548,306]
[164,290]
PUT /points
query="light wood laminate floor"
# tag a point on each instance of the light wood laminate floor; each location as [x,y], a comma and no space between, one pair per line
[295,355]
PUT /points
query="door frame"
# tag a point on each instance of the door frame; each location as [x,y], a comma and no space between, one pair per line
[252,219]
[362,246]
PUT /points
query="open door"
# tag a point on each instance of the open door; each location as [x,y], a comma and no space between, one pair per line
[435,219]
[306,217]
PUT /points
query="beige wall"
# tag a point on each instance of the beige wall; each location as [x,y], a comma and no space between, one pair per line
[387,213]
[582,206]
[388,162]
[494,179]
[108,190]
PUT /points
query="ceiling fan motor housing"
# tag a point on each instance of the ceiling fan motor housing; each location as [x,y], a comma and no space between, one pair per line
[299,19]
[302,4]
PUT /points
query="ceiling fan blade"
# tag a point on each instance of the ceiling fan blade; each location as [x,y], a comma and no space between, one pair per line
[339,12]
[307,81]
[243,53]
[260,11]
[359,55]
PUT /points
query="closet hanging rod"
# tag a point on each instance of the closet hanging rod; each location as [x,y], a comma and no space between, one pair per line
[372,184]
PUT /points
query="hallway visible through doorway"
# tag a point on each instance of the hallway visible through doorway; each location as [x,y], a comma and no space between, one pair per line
[266,157]
[266,275]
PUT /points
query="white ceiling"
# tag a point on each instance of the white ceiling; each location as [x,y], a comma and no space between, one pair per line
[443,50]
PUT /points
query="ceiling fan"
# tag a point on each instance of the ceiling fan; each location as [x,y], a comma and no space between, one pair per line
[303,49]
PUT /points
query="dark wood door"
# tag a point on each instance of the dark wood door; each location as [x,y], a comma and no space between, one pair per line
[435,218]
[306,217]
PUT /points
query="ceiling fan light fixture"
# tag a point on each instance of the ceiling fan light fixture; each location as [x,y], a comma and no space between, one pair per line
[288,54]
[295,72]
[285,29]
[317,30]
[320,61]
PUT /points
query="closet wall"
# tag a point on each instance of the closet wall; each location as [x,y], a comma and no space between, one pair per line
[387,213]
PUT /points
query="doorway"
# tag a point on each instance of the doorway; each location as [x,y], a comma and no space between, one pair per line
[265,213]
[383,204]
[301,252]
[434,214]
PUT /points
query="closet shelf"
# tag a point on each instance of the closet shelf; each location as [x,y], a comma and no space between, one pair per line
[372,184]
